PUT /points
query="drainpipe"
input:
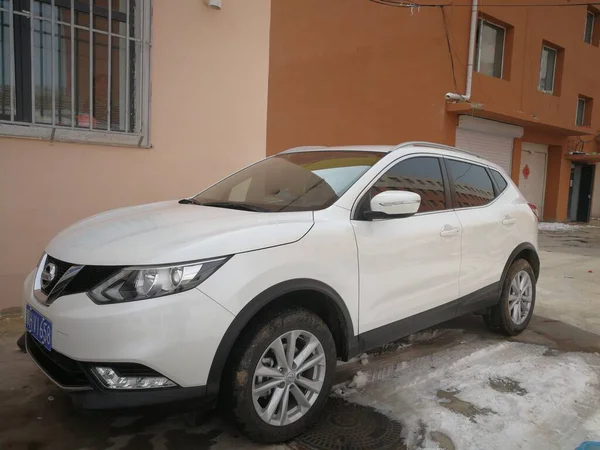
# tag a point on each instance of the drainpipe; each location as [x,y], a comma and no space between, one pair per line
[471,64]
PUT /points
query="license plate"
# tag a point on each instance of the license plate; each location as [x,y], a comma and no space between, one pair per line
[39,327]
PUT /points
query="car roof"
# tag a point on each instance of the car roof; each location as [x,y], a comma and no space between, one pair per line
[405,148]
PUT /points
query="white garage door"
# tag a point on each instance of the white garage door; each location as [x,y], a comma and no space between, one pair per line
[489,139]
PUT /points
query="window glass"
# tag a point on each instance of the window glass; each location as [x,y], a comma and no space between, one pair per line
[490,49]
[589,27]
[580,119]
[547,69]
[303,181]
[499,179]
[80,71]
[420,175]
[472,184]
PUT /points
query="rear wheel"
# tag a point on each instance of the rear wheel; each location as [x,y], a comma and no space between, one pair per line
[279,381]
[514,310]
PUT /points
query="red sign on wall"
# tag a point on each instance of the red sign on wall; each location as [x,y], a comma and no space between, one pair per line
[526,171]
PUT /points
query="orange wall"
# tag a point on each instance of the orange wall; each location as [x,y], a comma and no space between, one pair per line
[357,72]
[208,108]
[353,72]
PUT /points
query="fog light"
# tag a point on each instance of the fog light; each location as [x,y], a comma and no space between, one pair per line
[113,381]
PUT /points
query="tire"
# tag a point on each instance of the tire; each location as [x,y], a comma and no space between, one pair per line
[244,397]
[513,312]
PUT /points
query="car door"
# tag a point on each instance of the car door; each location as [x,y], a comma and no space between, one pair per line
[410,265]
[488,225]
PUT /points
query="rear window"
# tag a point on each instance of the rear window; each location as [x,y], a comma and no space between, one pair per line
[500,180]
[472,183]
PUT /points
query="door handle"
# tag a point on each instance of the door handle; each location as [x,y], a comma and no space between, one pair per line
[509,221]
[449,232]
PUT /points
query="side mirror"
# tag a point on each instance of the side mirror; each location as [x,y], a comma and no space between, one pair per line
[393,204]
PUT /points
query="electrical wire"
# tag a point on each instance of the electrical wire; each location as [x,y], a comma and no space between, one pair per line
[449,49]
[408,4]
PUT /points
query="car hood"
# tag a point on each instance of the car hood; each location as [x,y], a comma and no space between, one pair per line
[169,232]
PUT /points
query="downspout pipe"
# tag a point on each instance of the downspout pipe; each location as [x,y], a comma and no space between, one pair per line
[471,63]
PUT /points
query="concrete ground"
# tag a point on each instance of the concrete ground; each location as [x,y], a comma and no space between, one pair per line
[34,414]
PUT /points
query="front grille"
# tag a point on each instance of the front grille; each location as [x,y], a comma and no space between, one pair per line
[62,369]
[85,280]
[89,277]
[61,268]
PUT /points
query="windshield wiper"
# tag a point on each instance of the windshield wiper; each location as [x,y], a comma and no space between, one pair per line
[235,205]
[189,201]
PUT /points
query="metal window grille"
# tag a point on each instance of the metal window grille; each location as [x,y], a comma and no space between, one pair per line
[76,69]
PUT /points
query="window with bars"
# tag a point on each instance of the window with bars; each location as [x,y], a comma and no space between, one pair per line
[75,67]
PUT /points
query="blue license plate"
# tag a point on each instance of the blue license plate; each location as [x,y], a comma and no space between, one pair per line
[39,327]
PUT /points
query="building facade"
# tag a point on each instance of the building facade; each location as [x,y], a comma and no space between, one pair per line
[193,109]
[357,71]
[111,103]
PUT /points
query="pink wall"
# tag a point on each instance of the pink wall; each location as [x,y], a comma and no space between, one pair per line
[208,117]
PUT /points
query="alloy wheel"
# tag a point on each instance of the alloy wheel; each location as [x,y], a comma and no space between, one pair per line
[520,297]
[288,378]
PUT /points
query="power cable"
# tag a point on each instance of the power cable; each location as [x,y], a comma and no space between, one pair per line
[449,49]
[408,4]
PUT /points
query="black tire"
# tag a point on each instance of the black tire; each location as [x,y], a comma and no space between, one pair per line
[237,383]
[498,317]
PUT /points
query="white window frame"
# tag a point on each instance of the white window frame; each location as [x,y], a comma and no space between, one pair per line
[480,31]
[577,122]
[585,30]
[546,91]
[140,137]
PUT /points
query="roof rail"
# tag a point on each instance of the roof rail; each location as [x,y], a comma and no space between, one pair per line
[301,149]
[434,145]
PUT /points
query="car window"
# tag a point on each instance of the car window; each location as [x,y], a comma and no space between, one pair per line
[301,181]
[499,179]
[472,183]
[422,175]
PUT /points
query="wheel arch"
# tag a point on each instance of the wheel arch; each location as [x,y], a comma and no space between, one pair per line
[524,251]
[313,295]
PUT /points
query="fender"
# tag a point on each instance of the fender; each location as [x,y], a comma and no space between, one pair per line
[258,303]
[521,247]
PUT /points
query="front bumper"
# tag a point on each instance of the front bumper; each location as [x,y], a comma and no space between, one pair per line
[175,336]
[88,393]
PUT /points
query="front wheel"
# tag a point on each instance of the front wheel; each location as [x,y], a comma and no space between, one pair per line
[279,381]
[514,310]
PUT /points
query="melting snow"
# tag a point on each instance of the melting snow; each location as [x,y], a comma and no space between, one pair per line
[554,404]
[557,226]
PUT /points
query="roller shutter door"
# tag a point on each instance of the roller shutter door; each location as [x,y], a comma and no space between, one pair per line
[491,140]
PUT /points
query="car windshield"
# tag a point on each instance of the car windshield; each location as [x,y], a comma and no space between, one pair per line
[304,181]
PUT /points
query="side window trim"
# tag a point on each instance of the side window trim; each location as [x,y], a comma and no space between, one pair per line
[487,170]
[497,189]
[356,207]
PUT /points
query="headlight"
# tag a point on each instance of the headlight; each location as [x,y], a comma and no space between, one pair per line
[140,283]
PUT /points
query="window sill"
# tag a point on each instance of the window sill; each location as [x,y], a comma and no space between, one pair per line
[72,135]
[548,92]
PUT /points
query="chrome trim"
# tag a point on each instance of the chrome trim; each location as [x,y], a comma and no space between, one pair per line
[58,287]
[62,283]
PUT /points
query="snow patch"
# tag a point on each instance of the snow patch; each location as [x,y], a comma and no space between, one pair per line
[557,226]
[557,411]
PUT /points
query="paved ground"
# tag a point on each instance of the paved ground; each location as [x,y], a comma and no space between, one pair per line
[36,415]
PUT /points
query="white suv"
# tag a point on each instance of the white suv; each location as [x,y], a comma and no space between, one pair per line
[249,291]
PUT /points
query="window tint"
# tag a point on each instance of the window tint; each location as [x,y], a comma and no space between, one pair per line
[472,183]
[420,175]
[500,181]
